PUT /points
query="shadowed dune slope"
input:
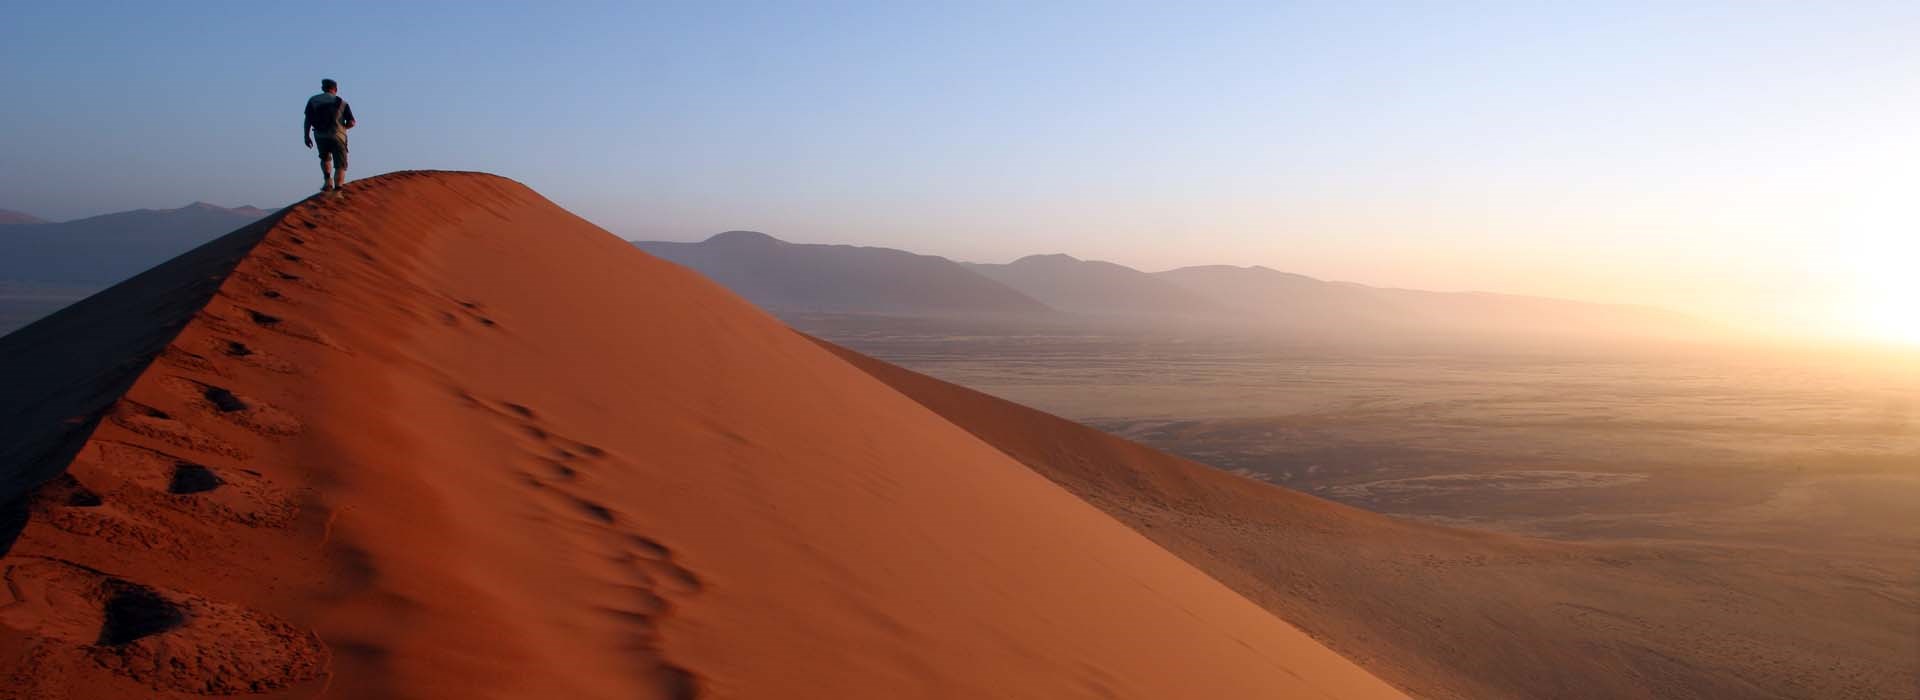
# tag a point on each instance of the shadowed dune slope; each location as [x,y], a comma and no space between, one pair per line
[63,371]
[1447,613]
[438,437]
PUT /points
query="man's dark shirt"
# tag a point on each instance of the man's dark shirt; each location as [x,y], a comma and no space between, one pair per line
[327,116]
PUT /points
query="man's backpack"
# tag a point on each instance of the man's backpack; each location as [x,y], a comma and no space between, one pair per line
[323,114]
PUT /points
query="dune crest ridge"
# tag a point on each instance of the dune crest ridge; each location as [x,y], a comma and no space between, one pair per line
[440,438]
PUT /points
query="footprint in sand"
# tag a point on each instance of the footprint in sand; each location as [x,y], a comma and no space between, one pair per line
[139,477]
[281,325]
[246,412]
[245,353]
[644,569]
[151,422]
[169,640]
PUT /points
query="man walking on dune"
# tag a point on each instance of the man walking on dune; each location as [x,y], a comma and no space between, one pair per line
[329,118]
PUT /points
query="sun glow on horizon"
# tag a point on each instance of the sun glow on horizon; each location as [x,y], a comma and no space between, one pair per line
[1886,306]
[1894,319]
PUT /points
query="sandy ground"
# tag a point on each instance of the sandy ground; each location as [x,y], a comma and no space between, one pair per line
[1760,611]
[437,437]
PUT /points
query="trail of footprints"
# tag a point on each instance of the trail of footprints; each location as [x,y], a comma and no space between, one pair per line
[292,266]
[163,495]
[560,471]
[123,493]
[160,496]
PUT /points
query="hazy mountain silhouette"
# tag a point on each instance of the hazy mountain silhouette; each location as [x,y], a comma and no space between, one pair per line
[104,249]
[1095,287]
[806,277]
[1292,299]
[9,216]
[792,277]
[803,277]
[1272,296]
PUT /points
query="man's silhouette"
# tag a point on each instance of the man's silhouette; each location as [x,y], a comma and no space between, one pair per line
[329,117]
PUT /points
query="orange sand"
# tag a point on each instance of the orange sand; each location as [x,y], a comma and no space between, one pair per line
[438,437]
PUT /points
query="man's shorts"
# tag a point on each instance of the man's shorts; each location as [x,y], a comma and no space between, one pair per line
[332,150]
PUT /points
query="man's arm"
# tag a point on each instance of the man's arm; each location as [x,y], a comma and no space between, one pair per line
[306,124]
[346,114]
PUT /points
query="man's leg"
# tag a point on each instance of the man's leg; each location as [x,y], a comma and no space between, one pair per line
[340,165]
[326,170]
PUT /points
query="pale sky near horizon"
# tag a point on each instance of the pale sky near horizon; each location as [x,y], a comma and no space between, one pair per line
[1752,162]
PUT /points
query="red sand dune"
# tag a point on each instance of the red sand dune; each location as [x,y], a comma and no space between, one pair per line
[440,438]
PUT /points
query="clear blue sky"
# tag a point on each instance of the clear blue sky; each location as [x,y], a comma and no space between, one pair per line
[1712,157]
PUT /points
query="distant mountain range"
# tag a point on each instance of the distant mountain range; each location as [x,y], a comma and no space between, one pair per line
[786,276]
[1291,300]
[1070,284]
[794,277]
[91,253]
[102,250]
[9,216]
